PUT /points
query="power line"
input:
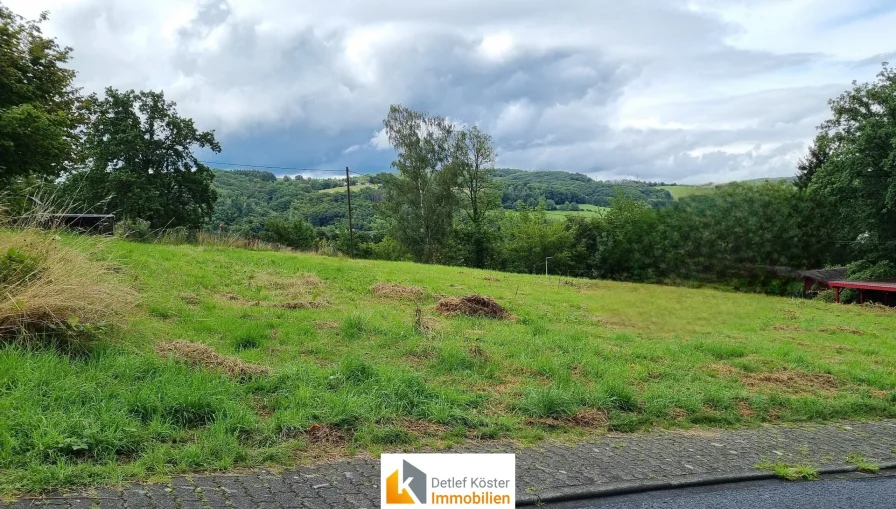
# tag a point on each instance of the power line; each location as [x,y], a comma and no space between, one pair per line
[278,167]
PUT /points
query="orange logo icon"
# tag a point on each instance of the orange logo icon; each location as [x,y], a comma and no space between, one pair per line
[403,489]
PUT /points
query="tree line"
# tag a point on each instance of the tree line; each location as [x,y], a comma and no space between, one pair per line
[441,207]
[132,153]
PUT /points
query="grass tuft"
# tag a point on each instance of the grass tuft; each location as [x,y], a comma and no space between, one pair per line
[550,402]
[789,471]
[53,289]
[862,464]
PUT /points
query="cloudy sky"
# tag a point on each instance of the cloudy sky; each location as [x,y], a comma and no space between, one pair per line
[690,91]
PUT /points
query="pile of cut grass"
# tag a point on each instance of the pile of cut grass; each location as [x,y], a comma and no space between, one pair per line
[49,285]
[472,305]
[397,291]
[202,355]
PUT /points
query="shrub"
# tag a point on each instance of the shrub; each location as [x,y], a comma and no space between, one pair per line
[52,286]
[298,234]
[136,230]
[826,296]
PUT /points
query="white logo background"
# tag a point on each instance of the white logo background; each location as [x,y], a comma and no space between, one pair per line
[456,474]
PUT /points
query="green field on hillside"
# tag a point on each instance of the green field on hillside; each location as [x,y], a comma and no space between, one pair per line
[587,211]
[340,369]
[679,192]
[355,187]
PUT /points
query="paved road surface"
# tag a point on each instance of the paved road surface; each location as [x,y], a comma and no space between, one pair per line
[847,492]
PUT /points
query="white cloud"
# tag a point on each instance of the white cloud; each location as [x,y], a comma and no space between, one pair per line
[380,140]
[685,90]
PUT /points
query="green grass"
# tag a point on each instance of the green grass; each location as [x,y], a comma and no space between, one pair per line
[862,464]
[587,211]
[679,192]
[682,191]
[358,367]
[790,472]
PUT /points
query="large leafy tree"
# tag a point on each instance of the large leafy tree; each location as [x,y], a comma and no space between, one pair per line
[478,195]
[141,163]
[420,200]
[38,104]
[858,176]
[814,160]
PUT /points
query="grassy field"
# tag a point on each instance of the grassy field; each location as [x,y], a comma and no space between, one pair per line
[355,187]
[586,211]
[332,368]
[679,192]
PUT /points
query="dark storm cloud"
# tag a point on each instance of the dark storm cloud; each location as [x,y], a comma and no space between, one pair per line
[656,89]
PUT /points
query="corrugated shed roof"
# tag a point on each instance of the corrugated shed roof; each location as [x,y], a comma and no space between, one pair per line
[888,286]
[825,275]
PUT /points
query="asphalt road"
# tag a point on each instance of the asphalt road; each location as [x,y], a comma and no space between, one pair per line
[846,491]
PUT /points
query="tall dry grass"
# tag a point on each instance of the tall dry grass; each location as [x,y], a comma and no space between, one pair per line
[49,284]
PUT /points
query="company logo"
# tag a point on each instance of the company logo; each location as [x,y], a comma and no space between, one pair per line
[406,485]
[448,480]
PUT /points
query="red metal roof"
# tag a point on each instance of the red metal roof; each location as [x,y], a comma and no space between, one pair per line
[883,286]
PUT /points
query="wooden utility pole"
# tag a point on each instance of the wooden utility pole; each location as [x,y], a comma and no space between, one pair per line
[351,232]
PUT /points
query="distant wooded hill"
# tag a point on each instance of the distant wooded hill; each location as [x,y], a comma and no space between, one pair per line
[248,198]
[561,187]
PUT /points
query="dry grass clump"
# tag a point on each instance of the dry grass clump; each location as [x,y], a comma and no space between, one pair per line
[302,304]
[301,291]
[197,354]
[47,284]
[425,324]
[472,305]
[299,282]
[325,434]
[791,381]
[585,419]
[845,330]
[192,300]
[423,428]
[397,291]
[592,418]
[786,328]
[287,286]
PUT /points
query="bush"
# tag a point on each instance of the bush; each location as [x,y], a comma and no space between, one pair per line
[826,296]
[867,271]
[136,230]
[298,234]
[51,286]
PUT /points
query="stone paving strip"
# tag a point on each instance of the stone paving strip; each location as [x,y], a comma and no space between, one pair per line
[614,463]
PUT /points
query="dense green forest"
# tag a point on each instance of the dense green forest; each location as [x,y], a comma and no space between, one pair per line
[248,199]
[559,187]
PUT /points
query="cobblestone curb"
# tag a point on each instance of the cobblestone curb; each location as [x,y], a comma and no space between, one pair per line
[612,464]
